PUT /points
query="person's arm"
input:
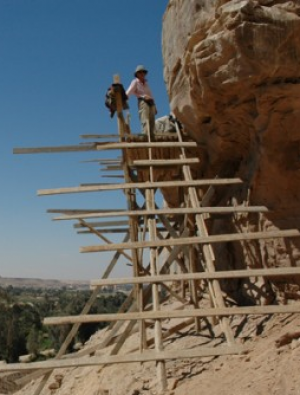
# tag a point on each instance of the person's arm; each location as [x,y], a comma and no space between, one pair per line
[132,88]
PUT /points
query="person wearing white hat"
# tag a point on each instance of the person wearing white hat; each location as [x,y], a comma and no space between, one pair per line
[147,109]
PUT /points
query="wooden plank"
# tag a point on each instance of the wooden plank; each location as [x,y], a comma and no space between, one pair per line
[104,231]
[168,314]
[128,358]
[154,269]
[131,204]
[214,287]
[164,162]
[139,185]
[230,274]
[115,230]
[99,136]
[195,240]
[112,168]
[165,211]
[112,176]
[100,146]
[132,145]
[102,224]
[52,150]
[99,160]
[78,211]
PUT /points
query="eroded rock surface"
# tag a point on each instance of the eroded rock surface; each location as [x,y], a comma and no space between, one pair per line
[232,74]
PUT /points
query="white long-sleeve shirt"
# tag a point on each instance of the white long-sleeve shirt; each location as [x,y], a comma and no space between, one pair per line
[139,89]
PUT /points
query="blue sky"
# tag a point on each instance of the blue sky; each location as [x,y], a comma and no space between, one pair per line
[57,59]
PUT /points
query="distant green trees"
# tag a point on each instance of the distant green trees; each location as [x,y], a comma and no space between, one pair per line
[16,322]
[23,310]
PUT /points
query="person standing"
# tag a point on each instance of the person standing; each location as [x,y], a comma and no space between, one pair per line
[146,105]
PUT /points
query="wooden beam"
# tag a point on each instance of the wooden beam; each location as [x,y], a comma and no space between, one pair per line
[195,240]
[147,356]
[164,162]
[100,146]
[52,150]
[115,230]
[165,211]
[139,185]
[169,314]
[102,224]
[131,145]
[78,211]
[99,160]
[112,168]
[104,231]
[112,176]
[99,136]
[230,274]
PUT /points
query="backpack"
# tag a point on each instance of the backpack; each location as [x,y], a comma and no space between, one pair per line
[110,98]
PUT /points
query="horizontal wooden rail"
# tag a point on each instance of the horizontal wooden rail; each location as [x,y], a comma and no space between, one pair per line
[140,185]
[79,211]
[116,230]
[99,136]
[101,146]
[164,162]
[168,314]
[164,211]
[146,356]
[168,144]
[287,271]
[193,240]
[53,150]
[101,224]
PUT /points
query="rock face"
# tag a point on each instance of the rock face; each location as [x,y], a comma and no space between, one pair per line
[232,71]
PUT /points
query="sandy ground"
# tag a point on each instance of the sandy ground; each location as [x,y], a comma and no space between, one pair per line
[270,364]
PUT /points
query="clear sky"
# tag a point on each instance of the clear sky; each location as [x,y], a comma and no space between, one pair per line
[58,57]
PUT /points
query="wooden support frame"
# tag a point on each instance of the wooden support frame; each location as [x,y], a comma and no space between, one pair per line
[174,243]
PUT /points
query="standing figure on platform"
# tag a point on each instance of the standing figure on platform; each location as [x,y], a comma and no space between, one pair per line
[146,105]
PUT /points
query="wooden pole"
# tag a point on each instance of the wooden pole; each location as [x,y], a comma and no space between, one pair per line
[170,314]
[158,340]
[139,185]
[207,249]
[195,240]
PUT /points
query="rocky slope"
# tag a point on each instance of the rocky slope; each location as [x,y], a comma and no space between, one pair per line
[269,367]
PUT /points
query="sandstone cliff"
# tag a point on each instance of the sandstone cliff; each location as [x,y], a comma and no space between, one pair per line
[232,74]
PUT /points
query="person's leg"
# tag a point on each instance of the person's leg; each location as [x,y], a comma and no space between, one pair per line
[152,113]
[144,114]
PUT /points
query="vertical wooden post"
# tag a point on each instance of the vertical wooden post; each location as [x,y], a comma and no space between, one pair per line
[150,205]
[215,288]
[131,204]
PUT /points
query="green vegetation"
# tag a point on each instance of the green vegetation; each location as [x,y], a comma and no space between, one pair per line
[22,311]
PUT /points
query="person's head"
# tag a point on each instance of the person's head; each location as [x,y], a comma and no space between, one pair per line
[140,72]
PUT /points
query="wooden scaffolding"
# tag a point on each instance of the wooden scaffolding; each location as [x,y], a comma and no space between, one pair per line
[167,243]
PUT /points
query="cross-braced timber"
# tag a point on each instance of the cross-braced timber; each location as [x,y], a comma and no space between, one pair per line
[180,255]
